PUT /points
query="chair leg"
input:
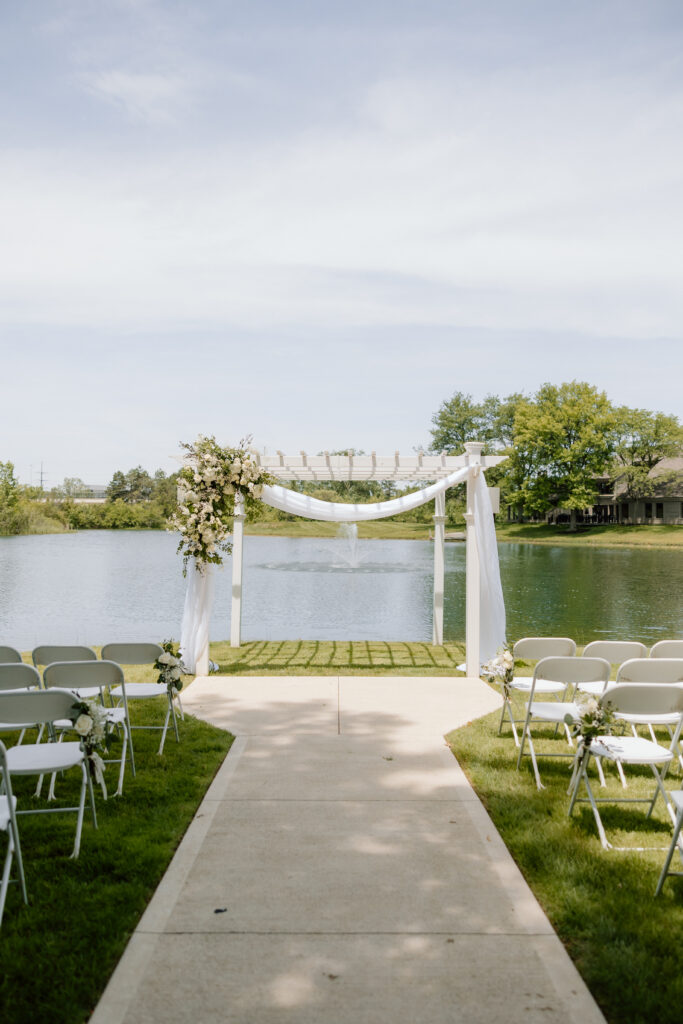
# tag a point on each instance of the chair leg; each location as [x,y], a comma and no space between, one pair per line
[675,841]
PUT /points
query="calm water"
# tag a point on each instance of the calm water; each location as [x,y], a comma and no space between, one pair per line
[98,586]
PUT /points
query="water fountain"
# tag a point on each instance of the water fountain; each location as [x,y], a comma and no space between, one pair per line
[349,533]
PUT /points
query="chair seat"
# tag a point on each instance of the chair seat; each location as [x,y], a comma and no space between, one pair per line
[36,758]
[86,692]
[624,716]
[593,689]
[16,726]
[140,690]
[553,711]
[542,686]
[633,749]
[4,812]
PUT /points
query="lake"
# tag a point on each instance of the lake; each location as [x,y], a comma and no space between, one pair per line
[99,586]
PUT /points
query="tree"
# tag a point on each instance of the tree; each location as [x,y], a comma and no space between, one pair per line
[13,514]
[564,439]
[644,439]
[134,486]
[457,420]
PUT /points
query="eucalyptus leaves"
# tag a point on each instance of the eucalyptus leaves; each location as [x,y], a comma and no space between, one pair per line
[207,485]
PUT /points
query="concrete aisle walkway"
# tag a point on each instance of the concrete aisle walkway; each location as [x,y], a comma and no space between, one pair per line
[341,869]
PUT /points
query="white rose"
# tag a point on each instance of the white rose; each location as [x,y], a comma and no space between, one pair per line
[83,725]
[175,673]
[165,658]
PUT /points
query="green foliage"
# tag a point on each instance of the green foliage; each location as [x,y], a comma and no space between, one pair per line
[13,511]
[643,439]
[134,486]
[564,439]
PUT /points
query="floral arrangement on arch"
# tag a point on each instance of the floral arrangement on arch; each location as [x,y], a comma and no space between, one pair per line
[92,725]
[500,670]
[170,668]
[207,485]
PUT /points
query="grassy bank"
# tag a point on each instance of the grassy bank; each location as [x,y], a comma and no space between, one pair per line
[623,941]
[517,533]
[58,953]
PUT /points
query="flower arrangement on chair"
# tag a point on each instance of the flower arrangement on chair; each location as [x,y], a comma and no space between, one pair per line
[595,719]
[207,485]
[170,668]
[500,670]
[91,724]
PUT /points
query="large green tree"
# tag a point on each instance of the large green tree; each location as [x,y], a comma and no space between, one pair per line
[13,512]
[643,439]
[134,486]
[564,439]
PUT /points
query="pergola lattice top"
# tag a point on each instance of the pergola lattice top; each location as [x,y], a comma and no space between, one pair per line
[396,467]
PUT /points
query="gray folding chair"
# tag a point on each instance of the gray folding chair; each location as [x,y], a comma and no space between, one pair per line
[650,700]
[565,672]
[648,671]
[47,706]
[98,680]
[8,824]
[45,654]
[144,654]
[8,654]
[534,648]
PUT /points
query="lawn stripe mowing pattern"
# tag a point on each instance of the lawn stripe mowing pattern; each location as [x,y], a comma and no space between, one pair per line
[601,902]
[58,953]
[337,657]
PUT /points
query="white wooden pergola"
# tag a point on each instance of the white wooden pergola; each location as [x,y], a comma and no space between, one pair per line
[401,469]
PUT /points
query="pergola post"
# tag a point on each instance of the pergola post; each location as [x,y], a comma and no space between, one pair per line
[237,555]
[439,537]
[472,585]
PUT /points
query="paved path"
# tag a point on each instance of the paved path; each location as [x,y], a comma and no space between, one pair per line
[341,869]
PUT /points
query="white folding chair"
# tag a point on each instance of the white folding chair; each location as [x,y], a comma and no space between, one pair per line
[667,649]
[17,676]
[47,706]
[534,648]
[45,654]
[8,824]
[650,700]
[613,651]
[96,680]
[648,671]
[9,655]
[565,672]
[144,654]
[677,801]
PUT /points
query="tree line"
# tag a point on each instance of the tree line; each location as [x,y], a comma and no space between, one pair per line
[559,443]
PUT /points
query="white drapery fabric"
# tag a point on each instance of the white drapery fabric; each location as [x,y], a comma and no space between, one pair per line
[194,634]
[491,603]
[194,631]
[338,512]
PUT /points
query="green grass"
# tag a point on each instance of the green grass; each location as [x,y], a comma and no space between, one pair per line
[341,657]
[58,953]
[625,943]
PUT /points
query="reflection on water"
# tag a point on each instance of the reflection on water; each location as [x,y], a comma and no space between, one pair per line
[97,586]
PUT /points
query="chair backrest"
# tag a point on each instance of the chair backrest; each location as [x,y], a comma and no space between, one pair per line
[651,670]
[79,674]
[615,651]
[19,677]
[36,706]
[132,654]
[645,698]
[47,653]
[572,670]
[532,648]
[667,649]
[8,654]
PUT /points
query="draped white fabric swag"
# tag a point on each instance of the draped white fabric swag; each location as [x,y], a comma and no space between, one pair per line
[194,634]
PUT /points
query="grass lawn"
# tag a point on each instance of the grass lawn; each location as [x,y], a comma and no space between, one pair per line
[609,535]
[334,658]
[59,952]
[601,902]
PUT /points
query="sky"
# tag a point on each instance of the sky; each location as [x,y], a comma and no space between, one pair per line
[314,222]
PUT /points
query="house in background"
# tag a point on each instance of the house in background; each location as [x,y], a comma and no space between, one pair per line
[614,505]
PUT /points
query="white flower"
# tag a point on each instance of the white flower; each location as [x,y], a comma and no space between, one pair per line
[165,658]
[83,725]
[175,673]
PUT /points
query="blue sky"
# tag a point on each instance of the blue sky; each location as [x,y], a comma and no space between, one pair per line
[314,222]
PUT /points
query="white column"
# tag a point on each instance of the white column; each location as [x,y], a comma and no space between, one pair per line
[237,545]
[439,527]
[472,587]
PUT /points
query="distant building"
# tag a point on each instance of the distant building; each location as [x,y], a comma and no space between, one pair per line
[613,505]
